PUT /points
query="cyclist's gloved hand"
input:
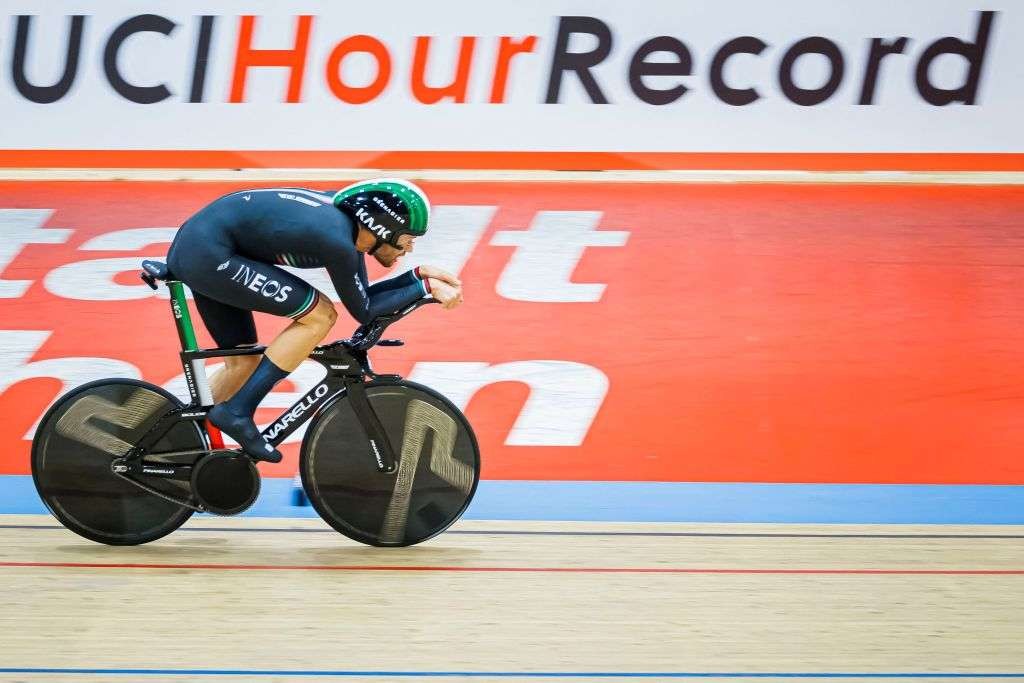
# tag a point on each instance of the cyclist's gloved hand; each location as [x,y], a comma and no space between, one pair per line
[447,294]
[425,272]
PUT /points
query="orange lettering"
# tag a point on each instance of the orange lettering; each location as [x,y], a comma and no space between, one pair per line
[457,88]
[507,49]
[360,43]
[246,57]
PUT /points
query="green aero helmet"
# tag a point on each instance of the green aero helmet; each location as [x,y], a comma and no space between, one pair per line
[387,207]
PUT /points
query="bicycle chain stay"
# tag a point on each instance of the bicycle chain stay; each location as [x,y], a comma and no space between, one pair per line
[160,494]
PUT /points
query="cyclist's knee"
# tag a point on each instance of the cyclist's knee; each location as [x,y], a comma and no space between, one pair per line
[323,316]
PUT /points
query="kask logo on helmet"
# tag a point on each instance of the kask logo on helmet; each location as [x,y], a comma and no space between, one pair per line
[364,217]
[388,207]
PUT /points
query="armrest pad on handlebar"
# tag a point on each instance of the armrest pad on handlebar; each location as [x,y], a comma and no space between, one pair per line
[368,335]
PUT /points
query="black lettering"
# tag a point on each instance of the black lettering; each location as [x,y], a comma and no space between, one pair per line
[49,93]
[737,97]
[149,94]
[581,62]
[879,50]
[815,45]
[639,67]
[974,53]
[202,58]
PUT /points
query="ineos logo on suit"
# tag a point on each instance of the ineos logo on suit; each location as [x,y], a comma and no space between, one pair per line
[249,278]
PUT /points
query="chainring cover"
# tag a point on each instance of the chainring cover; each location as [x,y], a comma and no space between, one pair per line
[225,483]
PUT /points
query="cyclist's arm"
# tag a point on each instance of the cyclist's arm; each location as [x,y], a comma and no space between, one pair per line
[348,274]
[397,282]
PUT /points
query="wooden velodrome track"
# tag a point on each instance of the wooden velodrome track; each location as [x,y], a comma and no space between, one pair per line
[262,599]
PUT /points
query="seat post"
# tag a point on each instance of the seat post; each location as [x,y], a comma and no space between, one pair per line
[182,319]
[187,336]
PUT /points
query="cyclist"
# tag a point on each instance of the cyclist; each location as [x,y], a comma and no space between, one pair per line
[226,253]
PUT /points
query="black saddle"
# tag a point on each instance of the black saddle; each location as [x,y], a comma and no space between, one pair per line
[155,270]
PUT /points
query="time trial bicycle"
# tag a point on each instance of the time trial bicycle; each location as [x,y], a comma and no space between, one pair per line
[384,461]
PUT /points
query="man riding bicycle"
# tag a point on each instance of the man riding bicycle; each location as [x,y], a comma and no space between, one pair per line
[226,253]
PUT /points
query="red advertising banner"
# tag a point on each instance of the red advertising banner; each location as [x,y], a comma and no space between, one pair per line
[656,332]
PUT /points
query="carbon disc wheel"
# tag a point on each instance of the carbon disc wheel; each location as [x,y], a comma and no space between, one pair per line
[437,474]
[76,442]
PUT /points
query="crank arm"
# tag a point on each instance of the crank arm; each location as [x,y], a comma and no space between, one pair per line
[163,470]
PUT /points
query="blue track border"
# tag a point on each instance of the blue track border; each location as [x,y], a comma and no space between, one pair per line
[506,674]
[675,502]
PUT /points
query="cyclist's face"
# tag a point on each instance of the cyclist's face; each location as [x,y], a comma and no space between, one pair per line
[406,242]
[387,255]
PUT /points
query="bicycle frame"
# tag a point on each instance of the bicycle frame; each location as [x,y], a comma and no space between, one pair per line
[343,370]
[347,369]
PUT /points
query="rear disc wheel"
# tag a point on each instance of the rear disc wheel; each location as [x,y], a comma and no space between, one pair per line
[78,439]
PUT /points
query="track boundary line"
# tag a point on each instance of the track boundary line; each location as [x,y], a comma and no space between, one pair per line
[485,570]
[507,674]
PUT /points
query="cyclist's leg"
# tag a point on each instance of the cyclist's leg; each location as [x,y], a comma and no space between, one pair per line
[294,344]
[230,328]
[242,283]
[199,256]
[246,285]
[287,351]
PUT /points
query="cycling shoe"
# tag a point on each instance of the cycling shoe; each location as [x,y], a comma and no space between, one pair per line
[242,429]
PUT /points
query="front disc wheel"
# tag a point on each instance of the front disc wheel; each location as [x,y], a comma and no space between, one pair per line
[438,467]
